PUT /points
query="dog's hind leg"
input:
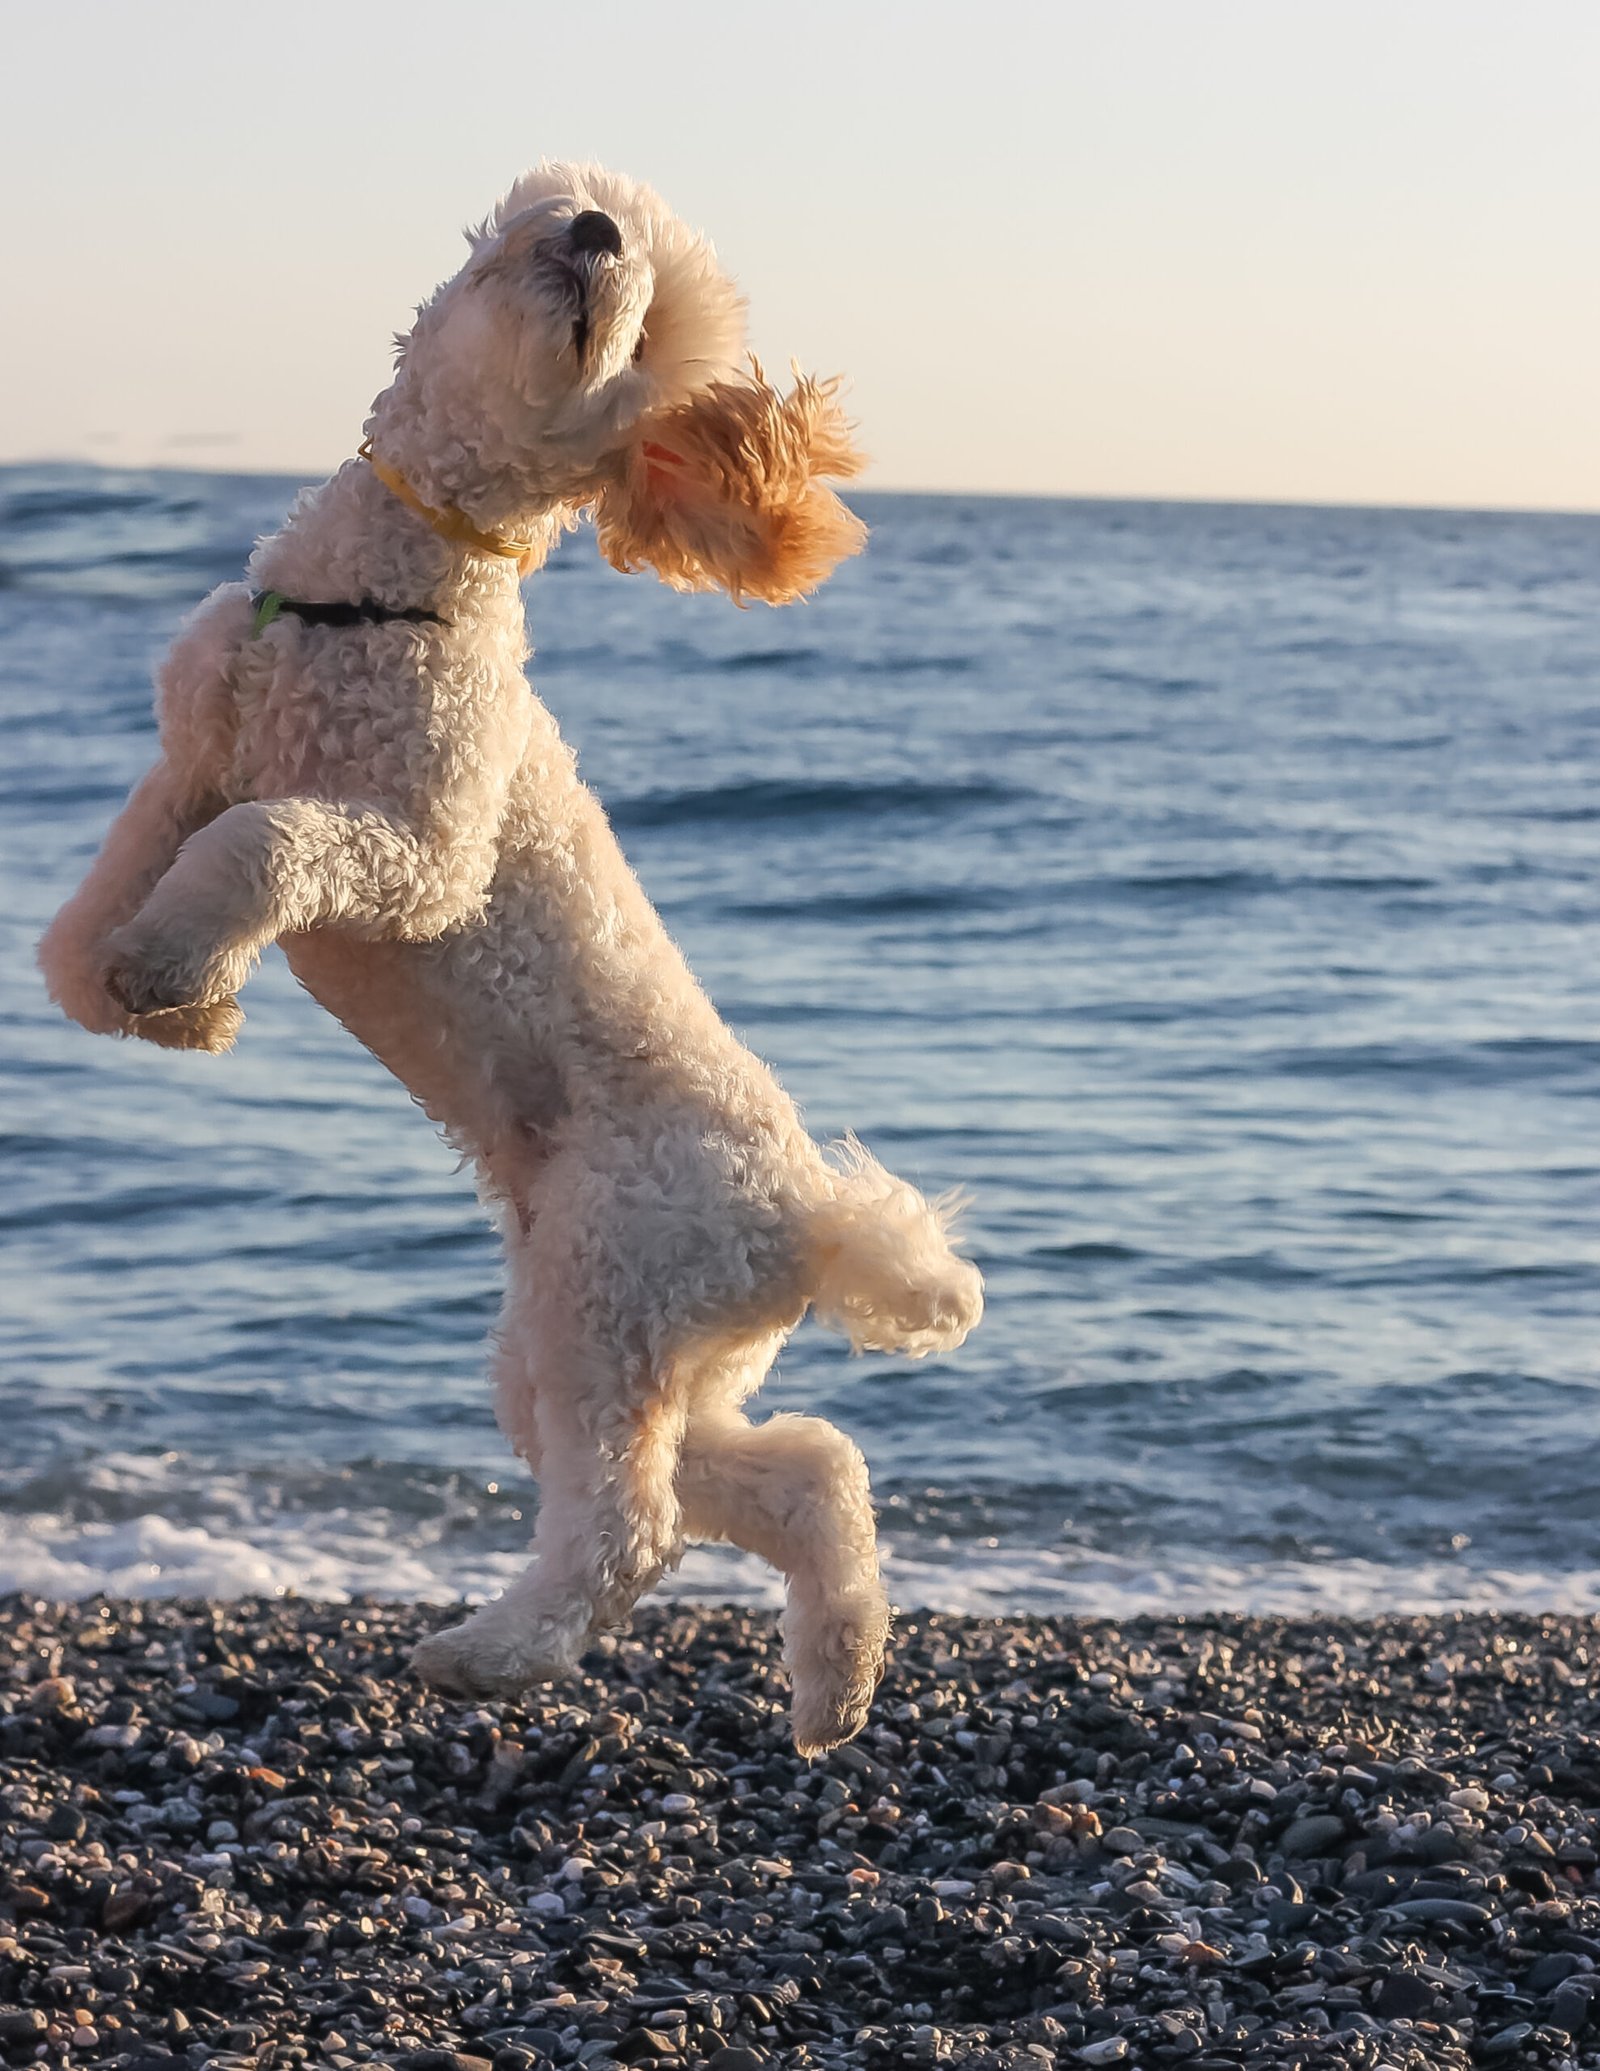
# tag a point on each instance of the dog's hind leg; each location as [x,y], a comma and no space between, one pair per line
[606,1430]
[515,1402]
[794,1491]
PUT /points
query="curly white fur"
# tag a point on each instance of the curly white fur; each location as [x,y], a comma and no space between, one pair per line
[387,801]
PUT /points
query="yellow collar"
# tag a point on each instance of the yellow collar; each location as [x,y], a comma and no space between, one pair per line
[450,524]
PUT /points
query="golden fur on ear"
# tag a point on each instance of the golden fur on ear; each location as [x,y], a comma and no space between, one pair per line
[723,492]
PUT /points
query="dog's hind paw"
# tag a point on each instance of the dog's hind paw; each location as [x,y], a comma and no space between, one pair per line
[470,1660]
[836,1659]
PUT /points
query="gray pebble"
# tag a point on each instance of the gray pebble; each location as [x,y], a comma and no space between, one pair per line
[1313,1835]
[1404,1996]
[1457,1912]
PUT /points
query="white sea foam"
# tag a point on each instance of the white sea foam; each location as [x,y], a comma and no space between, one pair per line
[347,1551]
[991,1580]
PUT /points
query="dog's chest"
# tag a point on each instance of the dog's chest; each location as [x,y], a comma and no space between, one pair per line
[364,715]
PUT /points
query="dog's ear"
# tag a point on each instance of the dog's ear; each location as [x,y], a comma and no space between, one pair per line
[724,492]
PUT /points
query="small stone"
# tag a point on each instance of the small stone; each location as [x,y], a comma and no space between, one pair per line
[1403,1996]
[1442,1844]
[1202,1953]
[642,2045]
[1316,1834]
[121,1737]
[212,1705]
[1452,1912]
[124,1909]
[1114,2050]
[66,1823]
[1507,2041]
[1551,1971]
[1227,1729]
[1120,1841]
[55,1693]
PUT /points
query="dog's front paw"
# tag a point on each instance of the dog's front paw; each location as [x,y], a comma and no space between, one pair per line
[482,1659]
[212,1028]
[147,977]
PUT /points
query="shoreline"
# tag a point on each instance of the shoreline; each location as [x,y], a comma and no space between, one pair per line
[240,1834]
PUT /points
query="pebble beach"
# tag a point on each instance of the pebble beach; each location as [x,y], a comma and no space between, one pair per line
[240,1835]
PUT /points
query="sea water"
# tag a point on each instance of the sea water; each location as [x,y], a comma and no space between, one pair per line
[1210,891]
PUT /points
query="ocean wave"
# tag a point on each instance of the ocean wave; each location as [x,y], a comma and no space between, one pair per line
[780,660]
[905,902]
[1516,1060]
[31,510]
[1087,1252]
[146,1205]
[760,799]
[155,536]
[38,797]
[1136,679]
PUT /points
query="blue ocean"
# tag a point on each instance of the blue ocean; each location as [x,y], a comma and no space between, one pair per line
[1210,891]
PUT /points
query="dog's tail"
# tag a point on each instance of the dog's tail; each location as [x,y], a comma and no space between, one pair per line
[881,1267]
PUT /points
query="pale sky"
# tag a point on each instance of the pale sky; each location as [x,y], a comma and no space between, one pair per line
[1306,250]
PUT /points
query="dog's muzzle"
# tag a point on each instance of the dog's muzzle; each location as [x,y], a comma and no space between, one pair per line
[593,232]
[592,239]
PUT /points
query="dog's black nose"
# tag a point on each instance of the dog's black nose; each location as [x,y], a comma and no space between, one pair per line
[594,231]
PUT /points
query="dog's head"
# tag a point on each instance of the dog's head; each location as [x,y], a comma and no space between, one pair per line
[591,352]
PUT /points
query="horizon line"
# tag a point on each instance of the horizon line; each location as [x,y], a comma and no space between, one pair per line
[1183,499]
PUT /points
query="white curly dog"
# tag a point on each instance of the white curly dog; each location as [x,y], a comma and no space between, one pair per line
[351,765]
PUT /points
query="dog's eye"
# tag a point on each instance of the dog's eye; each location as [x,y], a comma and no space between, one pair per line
[638,350]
